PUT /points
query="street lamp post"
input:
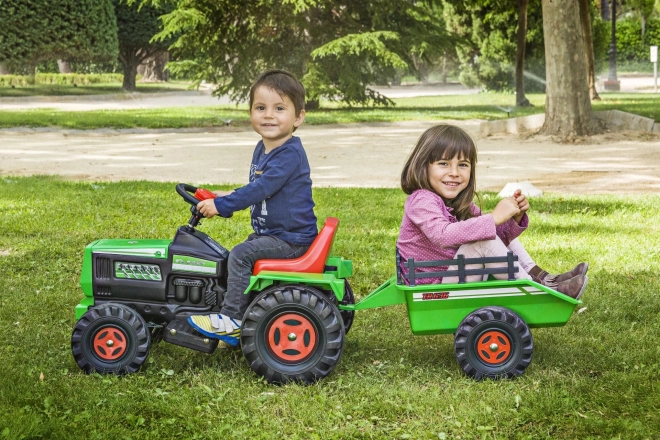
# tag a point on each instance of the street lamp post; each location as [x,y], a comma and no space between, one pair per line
[612,83]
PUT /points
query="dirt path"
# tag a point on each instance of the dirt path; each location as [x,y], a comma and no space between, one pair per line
[364,155]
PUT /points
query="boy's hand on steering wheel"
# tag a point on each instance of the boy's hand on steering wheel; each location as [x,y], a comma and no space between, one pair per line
[207,208]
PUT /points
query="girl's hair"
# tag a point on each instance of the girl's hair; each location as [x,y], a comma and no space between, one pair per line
[437,143]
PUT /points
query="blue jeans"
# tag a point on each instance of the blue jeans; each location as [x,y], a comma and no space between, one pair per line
[241,262]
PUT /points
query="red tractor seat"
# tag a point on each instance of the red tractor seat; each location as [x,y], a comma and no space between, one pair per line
[313,261]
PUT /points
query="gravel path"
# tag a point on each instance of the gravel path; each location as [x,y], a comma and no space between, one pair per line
[361,155]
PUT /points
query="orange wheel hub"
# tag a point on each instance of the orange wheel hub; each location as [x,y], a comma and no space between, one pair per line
[292,337]
[110,343]
[494,347]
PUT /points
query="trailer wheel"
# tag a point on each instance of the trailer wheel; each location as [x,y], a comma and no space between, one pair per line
[493,342]
[292,334]
[112,338]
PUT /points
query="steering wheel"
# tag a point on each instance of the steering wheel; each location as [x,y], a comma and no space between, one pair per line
[184,191]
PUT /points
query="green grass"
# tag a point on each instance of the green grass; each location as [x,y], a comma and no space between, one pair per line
[596,377]
[92,89]
[429,108]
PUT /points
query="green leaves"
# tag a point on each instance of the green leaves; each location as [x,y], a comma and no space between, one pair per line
[34,30]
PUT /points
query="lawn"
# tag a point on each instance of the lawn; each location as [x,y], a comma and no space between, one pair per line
[596,377]
[487,106]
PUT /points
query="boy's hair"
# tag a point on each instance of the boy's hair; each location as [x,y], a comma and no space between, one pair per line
[437,143]
[283,83]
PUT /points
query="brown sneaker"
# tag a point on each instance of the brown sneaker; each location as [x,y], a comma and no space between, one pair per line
[573,287]
[543,277]
[580,269]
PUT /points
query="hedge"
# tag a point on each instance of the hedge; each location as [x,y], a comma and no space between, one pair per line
[60,79]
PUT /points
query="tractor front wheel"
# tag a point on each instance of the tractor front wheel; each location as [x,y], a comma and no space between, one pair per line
[292,334]
[493,342]
[112,338]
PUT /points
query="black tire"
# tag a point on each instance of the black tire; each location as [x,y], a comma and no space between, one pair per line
[347,315]
[110,326]
[493,342]
[292,334]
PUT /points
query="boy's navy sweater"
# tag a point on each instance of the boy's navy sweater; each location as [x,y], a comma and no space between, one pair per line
[279,194]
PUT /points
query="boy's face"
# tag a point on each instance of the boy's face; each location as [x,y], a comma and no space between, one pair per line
[273,117]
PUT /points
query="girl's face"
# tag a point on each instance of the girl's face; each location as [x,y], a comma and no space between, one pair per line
[448,177]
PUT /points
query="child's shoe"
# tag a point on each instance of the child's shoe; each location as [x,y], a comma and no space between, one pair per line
[580,269]
[573,287]
[547,279]
[217,326]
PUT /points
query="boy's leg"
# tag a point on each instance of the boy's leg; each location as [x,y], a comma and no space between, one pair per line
[226,325]
[482,249]
[242,259]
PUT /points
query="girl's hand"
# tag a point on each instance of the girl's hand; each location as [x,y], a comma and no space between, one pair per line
[523,205]
[505,209]
[222,193]
[207,208]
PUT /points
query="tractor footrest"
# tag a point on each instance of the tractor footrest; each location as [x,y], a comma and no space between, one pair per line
[179,332]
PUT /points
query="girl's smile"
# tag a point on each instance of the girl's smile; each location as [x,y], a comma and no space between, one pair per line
[448,177]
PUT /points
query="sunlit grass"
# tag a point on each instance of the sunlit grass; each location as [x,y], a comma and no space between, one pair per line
[597,377]
[487,106]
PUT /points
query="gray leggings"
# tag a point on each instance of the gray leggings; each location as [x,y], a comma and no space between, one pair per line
[241,262]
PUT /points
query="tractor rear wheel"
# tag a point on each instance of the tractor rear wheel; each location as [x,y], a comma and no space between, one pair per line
[292,334]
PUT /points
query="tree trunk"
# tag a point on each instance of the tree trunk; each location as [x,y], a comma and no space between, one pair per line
[153,68]
[643,23]
[567,106]
[130,58]
[3,69]
[130,72]
[64,66]
[521,100]
[585,19]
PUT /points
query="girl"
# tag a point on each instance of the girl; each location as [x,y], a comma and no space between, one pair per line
[441,221]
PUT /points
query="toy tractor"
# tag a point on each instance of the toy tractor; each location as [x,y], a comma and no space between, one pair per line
[137,292]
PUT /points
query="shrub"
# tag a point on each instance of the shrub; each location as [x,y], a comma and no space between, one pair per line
[61,79]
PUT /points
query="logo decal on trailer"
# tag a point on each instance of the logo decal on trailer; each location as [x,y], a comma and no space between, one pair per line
[435,295]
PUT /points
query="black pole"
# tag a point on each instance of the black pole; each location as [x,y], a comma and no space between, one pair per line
[612,82]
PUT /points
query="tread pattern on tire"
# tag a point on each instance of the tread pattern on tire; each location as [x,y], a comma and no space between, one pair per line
[113,314]
[521,336]
[299,299]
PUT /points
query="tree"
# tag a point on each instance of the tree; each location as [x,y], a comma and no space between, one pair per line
[587,35]
[494,39]
[568,110]
[137,25]
[35,30]
[521,100]
[337,47]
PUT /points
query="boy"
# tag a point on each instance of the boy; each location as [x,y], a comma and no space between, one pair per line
[279,196]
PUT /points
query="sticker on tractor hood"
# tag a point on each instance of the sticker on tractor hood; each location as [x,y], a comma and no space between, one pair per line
[192,264]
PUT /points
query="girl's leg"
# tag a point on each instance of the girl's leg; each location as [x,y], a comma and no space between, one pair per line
[524,258]
[482,249]
[539,275]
